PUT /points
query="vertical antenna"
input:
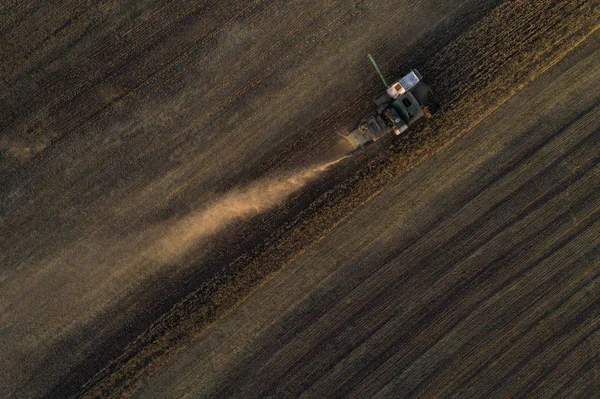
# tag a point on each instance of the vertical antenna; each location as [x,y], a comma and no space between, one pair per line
[378,70]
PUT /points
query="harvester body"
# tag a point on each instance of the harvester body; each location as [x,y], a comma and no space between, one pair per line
[402,106]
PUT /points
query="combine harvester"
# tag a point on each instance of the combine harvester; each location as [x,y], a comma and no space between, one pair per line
[402,106]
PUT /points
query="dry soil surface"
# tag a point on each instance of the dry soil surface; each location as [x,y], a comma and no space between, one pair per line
[476,274]
[139,146]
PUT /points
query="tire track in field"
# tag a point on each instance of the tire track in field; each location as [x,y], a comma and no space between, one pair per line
[81,181]
[586,143]
[86,177]
[429,311]
[554,377]
[82,91]
[582,144]
[66,20]
[371,305]
[584,374]
[477,362]
[374,308]
[565,217]
[528,155]
[127,67]
[577,325]
[448,379]
[428,381]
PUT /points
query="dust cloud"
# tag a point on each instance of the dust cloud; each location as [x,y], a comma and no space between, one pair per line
[96,265]
[238,204]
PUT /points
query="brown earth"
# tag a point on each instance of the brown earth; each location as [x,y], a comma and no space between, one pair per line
[476,274]
[120,120]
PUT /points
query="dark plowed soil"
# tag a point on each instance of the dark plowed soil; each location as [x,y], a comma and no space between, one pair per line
[119,120]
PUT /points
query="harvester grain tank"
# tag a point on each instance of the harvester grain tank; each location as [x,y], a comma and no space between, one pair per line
[402,106]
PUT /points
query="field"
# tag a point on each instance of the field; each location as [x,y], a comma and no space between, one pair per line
[460,260]
[473,275]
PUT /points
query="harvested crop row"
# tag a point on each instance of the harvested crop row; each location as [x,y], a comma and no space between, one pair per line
[473,76]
